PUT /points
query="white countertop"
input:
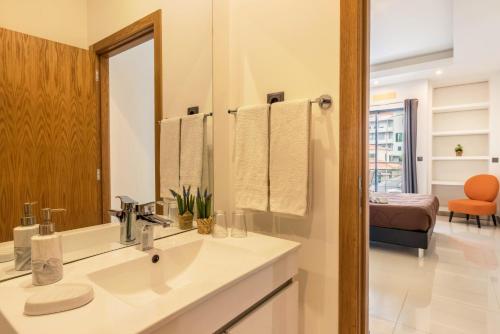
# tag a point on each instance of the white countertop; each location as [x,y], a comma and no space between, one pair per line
[109,314]
[83,242]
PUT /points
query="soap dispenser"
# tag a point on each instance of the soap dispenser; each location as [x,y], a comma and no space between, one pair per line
[22,238]
[46,252]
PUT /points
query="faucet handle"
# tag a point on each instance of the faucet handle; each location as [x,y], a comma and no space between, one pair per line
[127,203]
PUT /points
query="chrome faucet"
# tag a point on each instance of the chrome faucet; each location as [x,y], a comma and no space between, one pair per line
[145,213]
[128,220]
[131,214]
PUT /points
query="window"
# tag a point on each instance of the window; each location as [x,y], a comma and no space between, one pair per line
[386,158]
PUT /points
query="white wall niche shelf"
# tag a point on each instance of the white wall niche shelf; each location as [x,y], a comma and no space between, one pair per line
[461,133]
[447,183]
[462,158]
[461,107]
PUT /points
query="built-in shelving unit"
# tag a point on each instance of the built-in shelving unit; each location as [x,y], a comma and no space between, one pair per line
[460,115]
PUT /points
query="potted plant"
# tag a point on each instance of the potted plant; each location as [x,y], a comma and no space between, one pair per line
[185,205]
[204,207]
[459,150]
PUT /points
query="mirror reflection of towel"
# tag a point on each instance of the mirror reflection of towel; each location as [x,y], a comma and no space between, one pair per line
[169,156]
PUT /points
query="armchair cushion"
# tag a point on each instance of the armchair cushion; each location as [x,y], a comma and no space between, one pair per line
[472,207]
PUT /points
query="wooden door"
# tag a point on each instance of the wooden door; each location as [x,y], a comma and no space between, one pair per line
[49,144]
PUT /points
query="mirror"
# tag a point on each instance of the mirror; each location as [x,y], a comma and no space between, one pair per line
[85,93]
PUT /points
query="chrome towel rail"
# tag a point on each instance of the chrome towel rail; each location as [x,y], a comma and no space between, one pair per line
[324,102]
[205,116]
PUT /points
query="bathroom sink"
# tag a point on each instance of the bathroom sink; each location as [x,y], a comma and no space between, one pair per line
[185,278]
[193,266]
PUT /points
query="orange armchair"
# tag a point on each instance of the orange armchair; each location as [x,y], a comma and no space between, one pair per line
[482,191]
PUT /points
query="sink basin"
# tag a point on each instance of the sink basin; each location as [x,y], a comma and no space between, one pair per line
[186,268]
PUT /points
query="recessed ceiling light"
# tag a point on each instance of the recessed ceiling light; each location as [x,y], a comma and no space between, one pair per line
[439,72]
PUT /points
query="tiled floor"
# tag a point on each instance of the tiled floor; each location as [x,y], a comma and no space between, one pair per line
[455,288]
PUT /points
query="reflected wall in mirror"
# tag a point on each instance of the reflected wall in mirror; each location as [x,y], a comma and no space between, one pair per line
[73,136]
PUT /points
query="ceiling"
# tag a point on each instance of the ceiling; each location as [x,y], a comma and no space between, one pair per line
[407,28]
[417,39]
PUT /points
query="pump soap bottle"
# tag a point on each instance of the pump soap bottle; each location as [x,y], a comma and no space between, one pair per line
[46,252]
[22,238]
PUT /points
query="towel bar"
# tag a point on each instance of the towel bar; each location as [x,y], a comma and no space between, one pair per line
[205,116]
[324,102]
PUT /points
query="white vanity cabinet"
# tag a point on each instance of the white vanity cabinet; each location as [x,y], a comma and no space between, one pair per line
[279,315]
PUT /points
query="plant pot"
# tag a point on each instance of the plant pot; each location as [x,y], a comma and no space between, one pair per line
[459,153]
[186,221]
[205,225]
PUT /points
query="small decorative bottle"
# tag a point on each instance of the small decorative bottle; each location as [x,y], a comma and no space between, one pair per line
[46,252]
[22,238]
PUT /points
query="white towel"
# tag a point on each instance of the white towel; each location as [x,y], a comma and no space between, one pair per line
[169,156]
[192,143]
[252,158]
[289,157]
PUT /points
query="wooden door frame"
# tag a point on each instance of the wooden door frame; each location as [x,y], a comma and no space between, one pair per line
[147,28]
[353,229]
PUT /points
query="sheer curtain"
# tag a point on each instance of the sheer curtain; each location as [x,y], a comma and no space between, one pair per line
[410,146]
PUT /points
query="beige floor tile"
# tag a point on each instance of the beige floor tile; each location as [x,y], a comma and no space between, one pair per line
[381,326]
[434,314]
[402,329]
[455,288]
[387,295]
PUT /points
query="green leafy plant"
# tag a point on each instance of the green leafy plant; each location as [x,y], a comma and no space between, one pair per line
[459,148]
[185,203]
[204,204]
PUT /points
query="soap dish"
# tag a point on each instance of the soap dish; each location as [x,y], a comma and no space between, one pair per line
[6,254]
[59,298]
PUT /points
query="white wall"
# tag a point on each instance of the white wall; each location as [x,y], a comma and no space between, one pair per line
[262,46]
[63,21]
[415,90]
[132,154]
[187,45]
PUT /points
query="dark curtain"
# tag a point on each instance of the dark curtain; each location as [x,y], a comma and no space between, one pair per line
[410,147]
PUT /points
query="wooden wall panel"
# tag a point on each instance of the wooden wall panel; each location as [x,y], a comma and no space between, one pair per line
[49,144]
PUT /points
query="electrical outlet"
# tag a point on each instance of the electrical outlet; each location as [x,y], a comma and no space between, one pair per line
[275,97]
[193,110]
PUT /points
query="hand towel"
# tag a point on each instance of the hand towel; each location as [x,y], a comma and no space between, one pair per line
[252,158]
[192,143]
[170,130]
[289,157]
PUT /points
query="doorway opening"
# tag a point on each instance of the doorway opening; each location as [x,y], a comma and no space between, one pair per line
[132,101]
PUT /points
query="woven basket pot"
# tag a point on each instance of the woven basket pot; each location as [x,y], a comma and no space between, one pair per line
[186,221]
[205,225]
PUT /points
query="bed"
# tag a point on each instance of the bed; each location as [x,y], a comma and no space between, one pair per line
[406,220]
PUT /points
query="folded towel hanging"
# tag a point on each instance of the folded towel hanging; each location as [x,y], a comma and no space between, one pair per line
[252,158]
[289,157]
[170,132]
[192,144]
